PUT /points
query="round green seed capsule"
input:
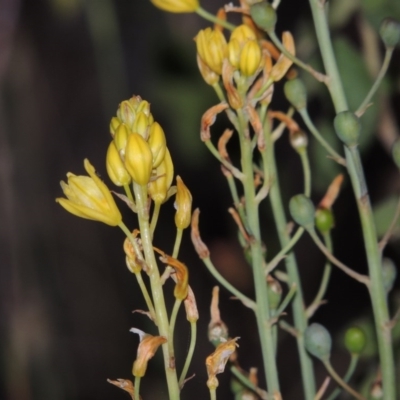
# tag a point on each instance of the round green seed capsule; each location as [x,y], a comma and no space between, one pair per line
[264,15]
[324,220]
[302,210]
[348,127]
[390,32]
[396,153]
[274,291]
[296,93]
[318,341]
[355,340]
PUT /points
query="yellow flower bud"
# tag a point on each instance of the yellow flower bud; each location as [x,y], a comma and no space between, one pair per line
[138,159]
[126,113]
[158,188]
[212,48]
[115,167]
[209,76]
[242,34]
[147,348]
[250,58]
[114,124]
[183,205]
[157,143]
[121,139]
[244,51]
[177,6]
[88,197]
[141,124]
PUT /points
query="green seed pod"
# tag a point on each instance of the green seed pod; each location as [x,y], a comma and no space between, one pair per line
[302,210]
[217,333]
[348,127]
[355,340]
[296,93]
[396,153]
[318,341]
[264,15]
[298,140]
[390,32]
[389,272]
[324,220]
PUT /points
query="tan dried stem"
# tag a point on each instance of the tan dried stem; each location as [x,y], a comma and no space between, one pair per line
[332,193]
[200,247]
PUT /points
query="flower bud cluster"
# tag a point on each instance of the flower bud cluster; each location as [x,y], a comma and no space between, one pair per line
[138,150]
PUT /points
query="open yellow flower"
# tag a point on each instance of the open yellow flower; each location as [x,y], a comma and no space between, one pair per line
[88,197]
[177,6]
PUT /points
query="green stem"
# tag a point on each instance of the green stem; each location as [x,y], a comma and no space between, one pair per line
[212,18]
[128,193]
[248,383]
[349,373]
[286,300]
[178,241]
[350,272]
[341,382]
[253,222]
[299,315]
[154,217]
[375,86]
[281,255]
[211,268]
[213,394]
[172,322]
[313,129]
[146,295]
[189,356]
[156,289]
[305,163]
[377,291]
[137,387]
[276,41]
[219,92]
[325,279]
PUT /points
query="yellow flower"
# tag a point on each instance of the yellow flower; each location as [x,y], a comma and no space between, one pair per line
[88,197]
[177,6]
[212,48]
[183,205]
[158,188]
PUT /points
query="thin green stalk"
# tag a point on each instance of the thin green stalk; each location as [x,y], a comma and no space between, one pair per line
[341,382]
[375,86]
[305,163]
[172,322]
[189,356]
[299,315]
[281,255]
[213,394]
[146,295]
[349,373]
[154,217]
[325,278]
[286,300]
[137,387]
[377,292]
[276,41]
[156,289]
[248,383]
[219,92]
[211,268]
[253,222]
[313,129]
[177,244]
[350,272]
[212,18]
[128,192]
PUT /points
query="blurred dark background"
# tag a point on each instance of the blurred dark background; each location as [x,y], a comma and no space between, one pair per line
[66,297]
